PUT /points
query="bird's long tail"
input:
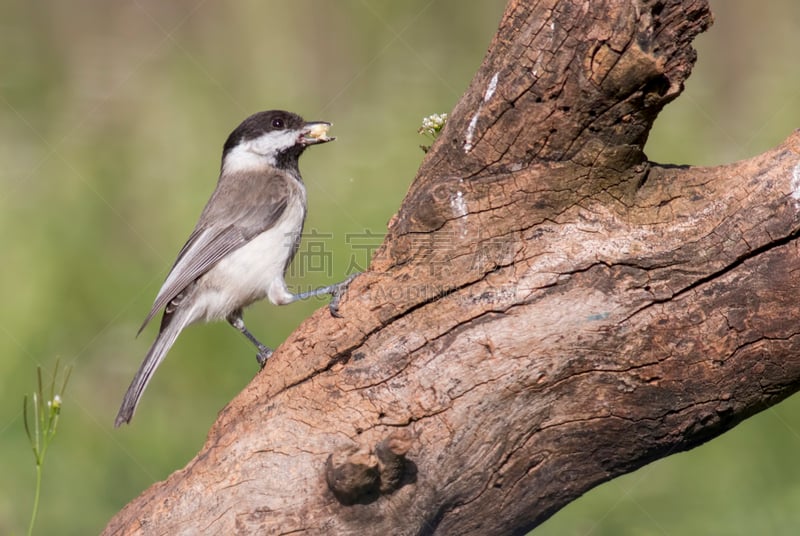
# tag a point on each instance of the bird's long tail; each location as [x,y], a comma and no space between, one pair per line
[166,338]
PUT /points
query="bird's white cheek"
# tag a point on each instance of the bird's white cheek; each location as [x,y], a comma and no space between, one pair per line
[272,143]
[259,153]
[269,145]
[242,159]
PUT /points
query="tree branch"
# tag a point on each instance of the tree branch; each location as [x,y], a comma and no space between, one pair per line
[549,309]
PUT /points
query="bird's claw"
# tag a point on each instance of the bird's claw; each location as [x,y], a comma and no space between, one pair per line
[337,295]
[263,354]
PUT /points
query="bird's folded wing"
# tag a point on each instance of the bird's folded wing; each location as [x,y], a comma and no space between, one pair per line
[201,252]
[246,217]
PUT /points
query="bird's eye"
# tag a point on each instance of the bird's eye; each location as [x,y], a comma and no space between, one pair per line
[277,123]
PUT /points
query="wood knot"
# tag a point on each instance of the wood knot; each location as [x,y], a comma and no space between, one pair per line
[359,475]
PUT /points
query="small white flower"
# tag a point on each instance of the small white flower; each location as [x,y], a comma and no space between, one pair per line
[433,124]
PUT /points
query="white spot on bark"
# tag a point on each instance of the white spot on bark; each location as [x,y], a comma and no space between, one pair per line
[796,182]
[490,89]
[471,130]
[459,207]
[458,204]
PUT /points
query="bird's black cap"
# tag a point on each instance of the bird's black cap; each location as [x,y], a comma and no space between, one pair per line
[261,123]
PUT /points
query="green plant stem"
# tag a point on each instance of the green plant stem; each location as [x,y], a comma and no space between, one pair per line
[35,498]
[45,422]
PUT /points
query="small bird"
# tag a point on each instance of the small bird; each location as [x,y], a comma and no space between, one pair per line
[243,243]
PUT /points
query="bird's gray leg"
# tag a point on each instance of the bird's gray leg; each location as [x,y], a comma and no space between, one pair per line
[235,319]
[336,291]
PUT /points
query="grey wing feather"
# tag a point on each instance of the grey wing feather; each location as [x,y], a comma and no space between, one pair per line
[207,245]
[199,257]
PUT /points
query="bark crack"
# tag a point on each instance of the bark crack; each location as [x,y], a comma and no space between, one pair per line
[729,267]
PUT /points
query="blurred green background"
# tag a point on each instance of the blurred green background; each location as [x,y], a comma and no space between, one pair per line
[112,119]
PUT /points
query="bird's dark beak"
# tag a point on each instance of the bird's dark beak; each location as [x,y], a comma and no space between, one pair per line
[315,132]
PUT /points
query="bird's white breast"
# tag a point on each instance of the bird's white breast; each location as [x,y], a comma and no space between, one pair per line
[255,270]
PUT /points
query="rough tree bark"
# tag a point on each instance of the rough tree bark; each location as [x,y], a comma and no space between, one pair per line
[549,309]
